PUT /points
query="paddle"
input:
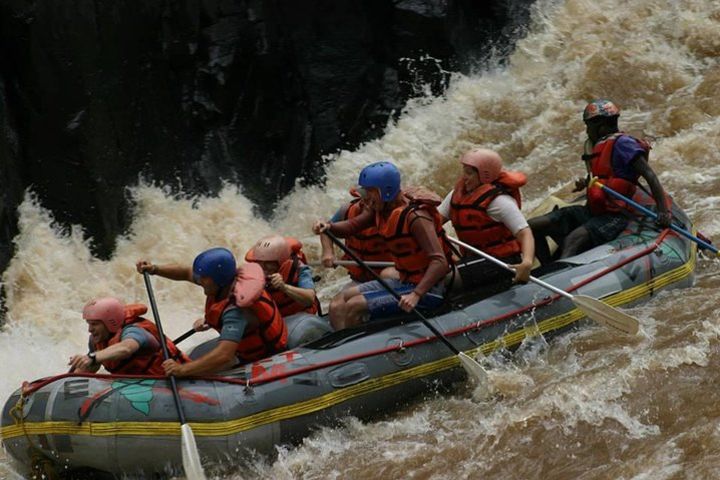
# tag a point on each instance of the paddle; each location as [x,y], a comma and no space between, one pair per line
[595,309]
[474,370]
[184,336]
[352,263]
[654,216]
[190,455]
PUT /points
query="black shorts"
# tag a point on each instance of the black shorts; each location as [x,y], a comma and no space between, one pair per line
[602,228]
[476,272]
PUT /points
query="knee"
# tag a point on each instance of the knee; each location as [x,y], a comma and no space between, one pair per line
[538,224]
[575,242]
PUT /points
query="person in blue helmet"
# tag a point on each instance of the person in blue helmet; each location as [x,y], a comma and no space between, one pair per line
[236,306]
[411,226]
[618,160]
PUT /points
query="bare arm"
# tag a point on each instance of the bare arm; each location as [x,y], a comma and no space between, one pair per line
[328,252]
[172,271]
[119,351]
[642,168]
[527,247]
[423,230]
[219,358]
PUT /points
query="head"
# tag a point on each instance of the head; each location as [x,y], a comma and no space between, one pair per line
[214,270]
[480,166]
[379,183]
[269,252]
[104,317]
[601,119]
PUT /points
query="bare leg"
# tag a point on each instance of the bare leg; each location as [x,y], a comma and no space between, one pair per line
[355,309]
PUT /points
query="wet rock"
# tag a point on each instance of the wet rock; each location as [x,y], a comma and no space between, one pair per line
[190,93]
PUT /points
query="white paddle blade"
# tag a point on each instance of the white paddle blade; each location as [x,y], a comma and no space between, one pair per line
[190,455]
[474,370]
[606,315]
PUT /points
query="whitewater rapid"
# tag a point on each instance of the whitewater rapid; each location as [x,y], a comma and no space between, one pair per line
[591,404]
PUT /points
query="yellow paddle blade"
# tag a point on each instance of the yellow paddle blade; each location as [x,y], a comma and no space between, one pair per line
[190,455]
[606,315]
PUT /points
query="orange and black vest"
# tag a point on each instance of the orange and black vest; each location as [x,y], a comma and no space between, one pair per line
[140,363]
[367,244]
[473,225]
[266,332]
[290,272]
[601,167]
[410,259]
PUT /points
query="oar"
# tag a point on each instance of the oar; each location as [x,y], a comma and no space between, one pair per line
[352,263]
[654,216]
[595,309]
[184,336]
[474,370]
[190,455]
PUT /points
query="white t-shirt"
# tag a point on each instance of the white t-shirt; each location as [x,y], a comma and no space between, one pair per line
[502,209]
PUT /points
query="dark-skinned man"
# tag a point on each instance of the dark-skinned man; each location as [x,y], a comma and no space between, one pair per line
[618,160]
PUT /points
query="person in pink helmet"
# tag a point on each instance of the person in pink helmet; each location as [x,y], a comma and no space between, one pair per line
[121,340]
[484,208]
[289,278]
[618,160]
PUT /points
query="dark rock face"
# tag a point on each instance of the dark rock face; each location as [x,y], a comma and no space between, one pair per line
[94,93]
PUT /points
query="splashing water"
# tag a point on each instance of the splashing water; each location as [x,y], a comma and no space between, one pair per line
[591,404]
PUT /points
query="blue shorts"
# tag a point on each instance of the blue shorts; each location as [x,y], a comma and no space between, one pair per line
[382,303]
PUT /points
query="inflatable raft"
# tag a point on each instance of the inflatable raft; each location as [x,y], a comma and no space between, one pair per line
[112,425]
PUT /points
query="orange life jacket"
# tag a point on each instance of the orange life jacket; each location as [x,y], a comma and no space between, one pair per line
[266,332]
[367,244]
[410,259]
[473,225]
[290,272]
[140,363]
[601,167]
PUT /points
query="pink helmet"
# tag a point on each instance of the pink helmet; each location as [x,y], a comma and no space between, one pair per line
[269,249]
[109,310]
[487,163]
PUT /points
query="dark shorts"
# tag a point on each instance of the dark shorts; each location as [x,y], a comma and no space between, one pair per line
[476,272]
[382,303]
[602,228]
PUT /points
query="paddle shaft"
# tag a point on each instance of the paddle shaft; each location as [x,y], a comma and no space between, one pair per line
[352,263]
[654,215]
[387,287]
[166,354]
[184,336]
[508,267]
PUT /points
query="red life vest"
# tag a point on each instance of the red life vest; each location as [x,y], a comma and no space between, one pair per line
[473,225]
[140,363]
[266,332]
[290,272]
[601,167]
[367,244]
[410,259]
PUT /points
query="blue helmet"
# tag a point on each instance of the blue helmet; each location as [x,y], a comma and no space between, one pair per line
[217,263]
[382,175]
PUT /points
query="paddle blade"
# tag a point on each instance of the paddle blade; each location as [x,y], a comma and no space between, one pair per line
[190,455]
[606,315]
[474,370]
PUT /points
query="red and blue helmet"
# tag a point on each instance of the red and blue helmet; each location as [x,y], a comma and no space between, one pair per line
[600,108]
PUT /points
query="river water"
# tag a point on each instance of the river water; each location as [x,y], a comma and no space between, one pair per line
[591,404]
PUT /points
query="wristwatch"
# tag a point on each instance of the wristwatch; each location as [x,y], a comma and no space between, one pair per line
[91,356]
